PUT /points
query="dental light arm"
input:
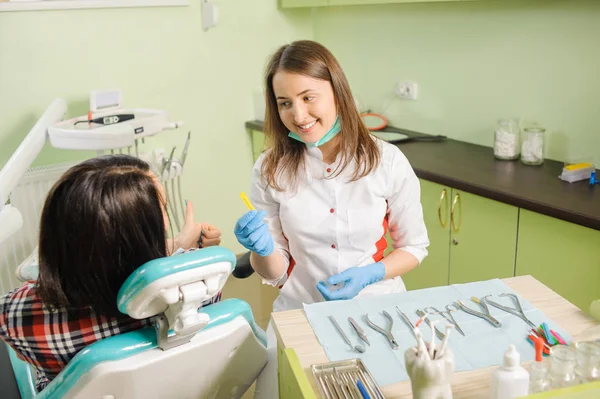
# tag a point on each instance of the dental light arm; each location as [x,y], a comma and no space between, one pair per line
[10,218]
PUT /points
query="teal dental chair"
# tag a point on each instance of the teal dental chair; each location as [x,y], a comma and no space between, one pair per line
[213,352]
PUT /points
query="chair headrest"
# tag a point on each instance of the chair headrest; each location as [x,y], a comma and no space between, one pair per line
[162,282]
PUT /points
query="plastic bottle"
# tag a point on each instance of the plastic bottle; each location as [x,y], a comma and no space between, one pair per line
[510,380]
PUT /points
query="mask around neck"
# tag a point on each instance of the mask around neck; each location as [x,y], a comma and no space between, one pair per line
[335,129]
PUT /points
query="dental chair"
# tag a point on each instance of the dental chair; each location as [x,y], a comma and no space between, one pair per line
[213,352]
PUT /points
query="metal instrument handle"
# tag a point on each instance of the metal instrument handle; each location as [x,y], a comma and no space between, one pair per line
[335,323]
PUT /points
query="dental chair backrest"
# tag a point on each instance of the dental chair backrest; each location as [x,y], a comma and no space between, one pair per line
[215,352]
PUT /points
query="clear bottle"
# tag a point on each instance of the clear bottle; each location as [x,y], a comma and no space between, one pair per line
[562,367]
[588,360]
[532,147]
[538,377]
[507,139]
[538,370]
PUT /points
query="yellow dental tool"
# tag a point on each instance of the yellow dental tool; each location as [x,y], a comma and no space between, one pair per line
[244,198]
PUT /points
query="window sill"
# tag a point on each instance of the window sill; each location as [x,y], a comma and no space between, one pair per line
[39,5]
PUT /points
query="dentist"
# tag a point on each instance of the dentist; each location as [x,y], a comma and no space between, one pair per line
[327,191]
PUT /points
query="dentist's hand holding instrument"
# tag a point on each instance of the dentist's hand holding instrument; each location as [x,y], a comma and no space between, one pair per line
[252,232]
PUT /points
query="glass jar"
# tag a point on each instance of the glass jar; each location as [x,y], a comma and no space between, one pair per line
[507,139]
[562,367]
[538,377]
[588,360]
[532,147]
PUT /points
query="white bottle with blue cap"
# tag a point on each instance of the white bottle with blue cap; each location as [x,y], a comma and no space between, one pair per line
[510,380]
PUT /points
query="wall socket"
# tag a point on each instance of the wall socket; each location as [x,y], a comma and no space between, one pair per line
[407,90]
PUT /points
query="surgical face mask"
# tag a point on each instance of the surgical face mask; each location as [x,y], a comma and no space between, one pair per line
[335,129]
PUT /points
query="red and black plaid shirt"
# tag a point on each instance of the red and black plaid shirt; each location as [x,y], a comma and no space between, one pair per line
[49,340]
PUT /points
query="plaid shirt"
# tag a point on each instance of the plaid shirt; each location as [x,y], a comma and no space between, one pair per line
[49,340]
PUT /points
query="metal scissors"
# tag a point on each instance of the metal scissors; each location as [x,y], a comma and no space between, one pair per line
[387,333]
[485,316]
[518,311]
[446,314]
[438,333]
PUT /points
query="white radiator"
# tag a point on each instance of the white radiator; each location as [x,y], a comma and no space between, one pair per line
[28,197]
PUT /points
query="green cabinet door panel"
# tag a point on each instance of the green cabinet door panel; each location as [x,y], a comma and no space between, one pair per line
[433,271]
[562,255]
[357,2]
[484,245]
[302,3]
[258,143]
[293,382]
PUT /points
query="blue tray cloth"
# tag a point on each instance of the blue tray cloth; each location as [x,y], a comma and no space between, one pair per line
[483,346]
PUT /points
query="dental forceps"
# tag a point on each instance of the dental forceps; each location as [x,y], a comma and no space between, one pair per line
[518,311]
[388,332]
[485,316]
[446,314]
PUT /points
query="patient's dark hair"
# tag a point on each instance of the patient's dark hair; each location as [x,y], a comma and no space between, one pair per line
[101,220]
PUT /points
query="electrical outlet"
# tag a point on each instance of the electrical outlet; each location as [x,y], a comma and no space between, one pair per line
[407,90]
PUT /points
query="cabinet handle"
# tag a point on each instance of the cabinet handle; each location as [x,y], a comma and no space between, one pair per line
[443,197]
[456,202]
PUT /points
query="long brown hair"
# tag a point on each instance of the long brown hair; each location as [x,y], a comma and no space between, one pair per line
[101,220]
[286,156]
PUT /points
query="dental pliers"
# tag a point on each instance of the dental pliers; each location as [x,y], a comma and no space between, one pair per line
[386,332]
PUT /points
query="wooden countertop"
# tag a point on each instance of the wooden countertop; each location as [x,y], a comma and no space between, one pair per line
[473,168]
[294,331]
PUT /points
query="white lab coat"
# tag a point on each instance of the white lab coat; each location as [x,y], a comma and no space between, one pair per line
[326,226]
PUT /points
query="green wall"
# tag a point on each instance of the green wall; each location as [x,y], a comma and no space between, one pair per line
[476,62]
[161,58]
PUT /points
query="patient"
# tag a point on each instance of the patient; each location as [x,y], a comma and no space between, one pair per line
[104,218]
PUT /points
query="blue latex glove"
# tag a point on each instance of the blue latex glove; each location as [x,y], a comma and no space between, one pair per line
[354,279]
[253,233]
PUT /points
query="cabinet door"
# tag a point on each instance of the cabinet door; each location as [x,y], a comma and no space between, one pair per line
[483,238]
[356,2]
[258,143]
[433,271]
[302,3]
[562,255]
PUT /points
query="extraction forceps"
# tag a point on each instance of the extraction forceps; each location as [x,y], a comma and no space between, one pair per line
[446,314]
[485,316]
[518,311]
[387,332]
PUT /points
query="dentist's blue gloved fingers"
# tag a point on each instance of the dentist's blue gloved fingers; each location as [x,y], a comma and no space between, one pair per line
[354,279]
[253,233]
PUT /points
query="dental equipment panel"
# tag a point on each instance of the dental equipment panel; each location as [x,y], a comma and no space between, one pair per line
[80,133]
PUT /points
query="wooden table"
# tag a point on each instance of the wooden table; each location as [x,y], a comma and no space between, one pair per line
[294,331]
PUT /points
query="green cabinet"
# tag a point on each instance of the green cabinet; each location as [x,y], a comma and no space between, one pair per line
[471,238]
[562,255]
[258,143]
[483,238]
[302,3]
[321,3]
[433,271]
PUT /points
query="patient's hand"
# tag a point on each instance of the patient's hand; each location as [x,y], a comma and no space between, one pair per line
[194,235]
[209,236]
